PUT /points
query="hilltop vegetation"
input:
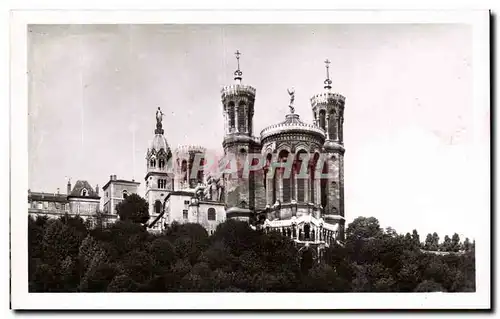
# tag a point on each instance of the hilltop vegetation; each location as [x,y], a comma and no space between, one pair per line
[65,255]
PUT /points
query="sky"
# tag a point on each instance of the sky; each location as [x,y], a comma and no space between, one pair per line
[410,126]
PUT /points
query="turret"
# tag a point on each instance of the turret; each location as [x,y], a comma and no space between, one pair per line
[238,109]
[328,113]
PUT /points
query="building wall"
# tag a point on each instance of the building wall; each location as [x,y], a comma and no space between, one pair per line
[83,206]
[47,206]
[178,207]
[199,214]
[154,193]
[113,195]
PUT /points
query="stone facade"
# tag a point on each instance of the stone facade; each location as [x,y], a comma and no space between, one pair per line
[81,200]
[115,191]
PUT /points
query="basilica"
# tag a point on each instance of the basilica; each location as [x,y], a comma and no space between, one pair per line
[306,203]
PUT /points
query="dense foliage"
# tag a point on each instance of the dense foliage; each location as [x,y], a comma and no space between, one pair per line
[134,208]
[65,255]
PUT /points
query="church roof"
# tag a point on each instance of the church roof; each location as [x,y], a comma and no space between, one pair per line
[159,142]
[49,197]
[83,185]
[291,124]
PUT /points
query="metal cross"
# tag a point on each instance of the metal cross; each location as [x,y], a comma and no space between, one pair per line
[237,53]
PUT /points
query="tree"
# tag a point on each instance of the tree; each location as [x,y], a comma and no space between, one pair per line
[363,228]
[435,242]
[122,283]
[429,286]
[60,241]
[391,232]
[446,245]
[66,256]
[133,208]
[429,242]
[416,239]
[467,245]
[455,243]
[163,252]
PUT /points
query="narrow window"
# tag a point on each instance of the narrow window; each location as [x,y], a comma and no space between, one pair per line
[211,213]
[157,207]
[185,214]
[230,113]
[307,229]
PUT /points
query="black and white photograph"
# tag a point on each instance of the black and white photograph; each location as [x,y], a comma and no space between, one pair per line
[341,154]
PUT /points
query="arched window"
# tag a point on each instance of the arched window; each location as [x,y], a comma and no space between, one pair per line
[250,122]
[230,113]
[307,229]
[301,182]
[84,192]
[332,126]
[286,180]
[184,170]
[211,213]
[322,119]
[157,207]
[161,163]
[200,173]
[152,162]
[125,194]
[324,186]
[241,116]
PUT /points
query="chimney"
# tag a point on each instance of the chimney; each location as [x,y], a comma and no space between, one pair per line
[68,189]
[112,177]
[58,191]
[97,190]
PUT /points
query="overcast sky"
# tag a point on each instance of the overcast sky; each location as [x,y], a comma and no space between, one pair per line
[409,112]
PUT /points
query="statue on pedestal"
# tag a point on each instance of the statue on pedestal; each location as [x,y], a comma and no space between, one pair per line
[291,92]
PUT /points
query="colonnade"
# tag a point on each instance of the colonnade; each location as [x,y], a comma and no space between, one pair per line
[330,122]
[305,232]
[237,118]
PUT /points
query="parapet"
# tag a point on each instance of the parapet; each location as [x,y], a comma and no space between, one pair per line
[327,98]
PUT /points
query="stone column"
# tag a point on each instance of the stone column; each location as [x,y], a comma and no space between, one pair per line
[317,188]
[295,186]
[269,190]
[246,118]
[226,124]
[279,187]
[236,120]
[327,125]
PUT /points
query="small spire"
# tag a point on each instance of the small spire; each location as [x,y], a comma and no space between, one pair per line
[328,82]
[238,73]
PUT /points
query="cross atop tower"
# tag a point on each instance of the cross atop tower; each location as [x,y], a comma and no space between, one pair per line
[328,82]
[238,73]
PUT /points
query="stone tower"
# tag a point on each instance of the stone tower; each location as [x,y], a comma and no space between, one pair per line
[159,174]
[238,109]
[328,113]
[185,157]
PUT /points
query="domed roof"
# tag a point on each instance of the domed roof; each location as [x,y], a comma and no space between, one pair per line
[292,124]
[333,146]
[159,142]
